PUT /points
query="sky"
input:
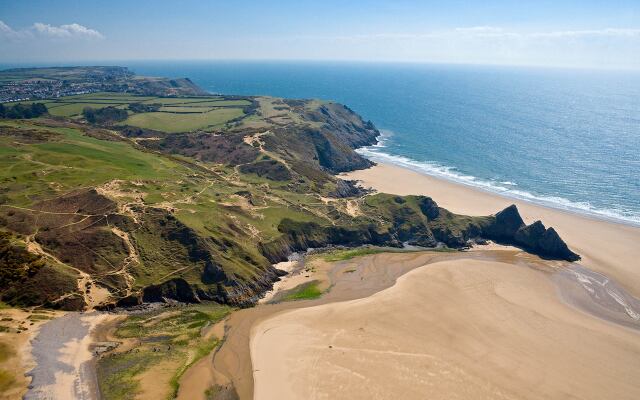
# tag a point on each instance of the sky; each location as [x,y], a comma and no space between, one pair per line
[587,34]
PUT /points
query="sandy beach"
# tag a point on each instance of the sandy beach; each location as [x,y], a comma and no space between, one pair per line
[606,247]
[352,279]
[497,326]
[454,329]
[62,353]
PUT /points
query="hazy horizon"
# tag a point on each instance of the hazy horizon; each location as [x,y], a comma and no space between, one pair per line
[574,34]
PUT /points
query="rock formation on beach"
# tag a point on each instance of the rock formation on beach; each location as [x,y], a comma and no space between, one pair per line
[98,216]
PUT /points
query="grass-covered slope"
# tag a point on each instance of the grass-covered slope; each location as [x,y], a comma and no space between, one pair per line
[142,210]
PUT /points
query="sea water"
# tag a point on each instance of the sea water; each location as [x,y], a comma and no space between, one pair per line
[565,138]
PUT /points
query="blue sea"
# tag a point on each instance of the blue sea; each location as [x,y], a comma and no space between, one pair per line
[564,138]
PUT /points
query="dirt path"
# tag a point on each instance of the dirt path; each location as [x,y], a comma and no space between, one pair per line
[92,294]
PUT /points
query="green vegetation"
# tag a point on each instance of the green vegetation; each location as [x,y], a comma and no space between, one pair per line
[201,350]
[104,116]
[19,111]
[343,255]
[140,108]
[164,114]
[170,122]
[306,291]
[168,338]
[74,109]
[70,161]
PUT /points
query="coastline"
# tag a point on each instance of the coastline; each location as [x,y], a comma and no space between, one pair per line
[605,246]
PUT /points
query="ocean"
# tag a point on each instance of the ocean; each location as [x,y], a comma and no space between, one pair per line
[564,138]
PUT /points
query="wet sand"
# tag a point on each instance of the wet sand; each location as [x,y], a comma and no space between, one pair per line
[606,247]
[62,352]
[352,279]
[19,328]
[485,327]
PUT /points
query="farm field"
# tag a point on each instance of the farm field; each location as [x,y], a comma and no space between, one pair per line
[173,122]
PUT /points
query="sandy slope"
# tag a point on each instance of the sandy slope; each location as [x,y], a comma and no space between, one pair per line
[457,329]
[610,248]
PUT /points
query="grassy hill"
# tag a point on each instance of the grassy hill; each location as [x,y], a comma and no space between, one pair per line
[194,198]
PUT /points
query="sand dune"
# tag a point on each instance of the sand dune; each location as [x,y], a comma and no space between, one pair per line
[455,329]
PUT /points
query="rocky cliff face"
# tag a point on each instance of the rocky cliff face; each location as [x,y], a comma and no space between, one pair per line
[508,227]
[203,215]
[418,220]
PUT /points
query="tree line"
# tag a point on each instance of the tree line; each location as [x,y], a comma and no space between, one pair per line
[20,111]
[104,116]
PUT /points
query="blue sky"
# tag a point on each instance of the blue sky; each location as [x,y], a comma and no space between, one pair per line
[603,34]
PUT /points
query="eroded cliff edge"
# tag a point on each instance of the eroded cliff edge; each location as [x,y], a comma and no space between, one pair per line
[99,216]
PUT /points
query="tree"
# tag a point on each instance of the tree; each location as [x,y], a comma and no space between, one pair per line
[23,111]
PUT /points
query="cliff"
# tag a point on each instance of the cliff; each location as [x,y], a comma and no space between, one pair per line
[97,217]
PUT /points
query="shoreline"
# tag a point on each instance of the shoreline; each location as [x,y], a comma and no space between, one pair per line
[354,279]
[481,327]
[606,247]
[381,158]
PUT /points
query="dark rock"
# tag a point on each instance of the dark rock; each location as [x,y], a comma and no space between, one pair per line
[346,188]
[505,225]
[270,169]
[175,289]
[429,208]
[529,236]
[130,301]
[544,242]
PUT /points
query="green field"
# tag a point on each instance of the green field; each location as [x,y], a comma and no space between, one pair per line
[177,114]
[168,122]
[184,109]
[71,161]
[69,110]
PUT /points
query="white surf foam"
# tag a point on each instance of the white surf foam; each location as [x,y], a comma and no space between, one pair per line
[506,188]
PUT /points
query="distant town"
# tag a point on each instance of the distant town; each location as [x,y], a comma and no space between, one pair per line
[24,84]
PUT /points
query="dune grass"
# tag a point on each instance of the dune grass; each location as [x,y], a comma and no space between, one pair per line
[343,255]
[306,291]
[170,336]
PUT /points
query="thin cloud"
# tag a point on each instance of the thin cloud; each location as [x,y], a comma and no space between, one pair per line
[66,31]
[608,32]
[6,31]
[481,32]
[480,29]
[39,29]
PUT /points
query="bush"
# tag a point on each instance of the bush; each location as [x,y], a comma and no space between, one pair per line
[23,111]
[142,108]
[104,116]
